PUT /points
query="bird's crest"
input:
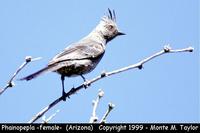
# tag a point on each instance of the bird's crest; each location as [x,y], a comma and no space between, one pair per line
[110,17]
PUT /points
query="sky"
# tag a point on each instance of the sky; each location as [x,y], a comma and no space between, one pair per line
[165,91]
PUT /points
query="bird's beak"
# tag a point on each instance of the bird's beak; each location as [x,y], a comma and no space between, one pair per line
[120,33]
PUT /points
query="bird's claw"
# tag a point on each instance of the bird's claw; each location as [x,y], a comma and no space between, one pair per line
[86,84]
[63,96]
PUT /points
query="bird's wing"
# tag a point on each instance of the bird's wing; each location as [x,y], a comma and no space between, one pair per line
[81,50]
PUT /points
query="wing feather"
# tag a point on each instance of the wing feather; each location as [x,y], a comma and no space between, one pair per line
[81,50]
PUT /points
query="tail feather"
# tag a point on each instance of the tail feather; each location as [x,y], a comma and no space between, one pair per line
[34,75]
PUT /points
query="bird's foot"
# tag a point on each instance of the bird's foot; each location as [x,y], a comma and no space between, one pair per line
[86,84]
[63,96]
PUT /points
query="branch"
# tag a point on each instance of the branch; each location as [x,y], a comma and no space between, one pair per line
[50,117]
[110,107]
[95,103]
[10,83]
[139,65]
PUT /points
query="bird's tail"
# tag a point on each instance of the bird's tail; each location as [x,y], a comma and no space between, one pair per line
[34,75]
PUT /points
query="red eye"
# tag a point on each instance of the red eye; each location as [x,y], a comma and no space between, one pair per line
[110,27]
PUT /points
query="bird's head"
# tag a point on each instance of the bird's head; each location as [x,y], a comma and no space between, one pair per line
[108,27]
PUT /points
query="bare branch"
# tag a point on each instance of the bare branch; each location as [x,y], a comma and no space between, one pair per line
[95,103]
[10,83]
[50,117]
[110,107]
[139,65]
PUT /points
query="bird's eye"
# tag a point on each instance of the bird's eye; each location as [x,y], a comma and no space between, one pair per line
[110,27]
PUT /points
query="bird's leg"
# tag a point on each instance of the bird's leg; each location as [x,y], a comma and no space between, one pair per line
[85,81]
[83,78]
[63,87]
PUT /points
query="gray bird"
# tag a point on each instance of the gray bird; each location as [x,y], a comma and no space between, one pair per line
[83,56]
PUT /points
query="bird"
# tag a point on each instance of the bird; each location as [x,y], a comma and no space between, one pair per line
[82,57]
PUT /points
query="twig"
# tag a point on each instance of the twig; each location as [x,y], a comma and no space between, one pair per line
[139,65]
[10,83]
[50,117]
[110,107]
[95,103]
